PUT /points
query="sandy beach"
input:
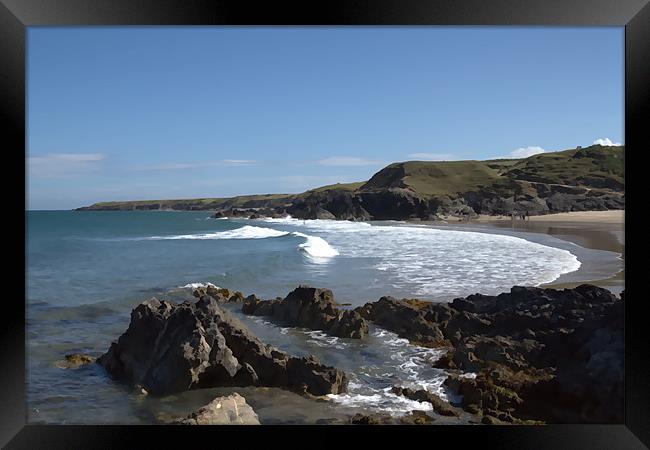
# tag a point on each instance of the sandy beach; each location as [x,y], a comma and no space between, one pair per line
[615,217]
[598,230]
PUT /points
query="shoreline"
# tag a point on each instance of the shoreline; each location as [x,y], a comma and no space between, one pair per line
[597,231]
[429,378]
[602,231]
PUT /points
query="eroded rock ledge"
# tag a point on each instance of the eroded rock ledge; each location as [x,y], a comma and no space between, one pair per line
[312,308]
[538,354]
[176,347]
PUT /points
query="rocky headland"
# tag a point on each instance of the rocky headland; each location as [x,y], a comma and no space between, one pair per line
[528,356]
[580,179]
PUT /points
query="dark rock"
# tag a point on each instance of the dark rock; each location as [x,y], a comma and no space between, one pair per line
[312,308]
[446,361]
[329,204]
[222,295]
[176,347]
[538,354]
[406,318]
[251,212]
[308,375]
[394,203]
[490,420]
[439,405]
[416,417]
[371,419]
[74,361]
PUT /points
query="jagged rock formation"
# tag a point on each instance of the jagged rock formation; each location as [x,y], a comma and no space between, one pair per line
[538,354]
[176,347]
[311,308]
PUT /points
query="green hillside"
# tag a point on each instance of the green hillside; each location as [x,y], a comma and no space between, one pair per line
[595,167]
[242,201]
[339,186]
[434,178]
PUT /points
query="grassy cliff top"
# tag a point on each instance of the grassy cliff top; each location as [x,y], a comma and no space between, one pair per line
[242,201]
[339,186]
[432,178]
[595,166]
[584,166]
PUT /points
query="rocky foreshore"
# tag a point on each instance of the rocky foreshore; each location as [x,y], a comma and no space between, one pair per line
[528,356]
[537,354]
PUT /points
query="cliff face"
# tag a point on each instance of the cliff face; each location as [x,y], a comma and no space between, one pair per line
[581,179]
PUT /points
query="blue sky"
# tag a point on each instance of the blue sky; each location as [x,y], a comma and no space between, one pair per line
[122,113]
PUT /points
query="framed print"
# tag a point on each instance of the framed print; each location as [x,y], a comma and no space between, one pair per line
[382,218]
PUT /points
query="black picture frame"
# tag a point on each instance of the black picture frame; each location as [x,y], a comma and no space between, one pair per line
[17,15]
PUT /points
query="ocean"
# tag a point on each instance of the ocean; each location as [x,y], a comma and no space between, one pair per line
[86,271]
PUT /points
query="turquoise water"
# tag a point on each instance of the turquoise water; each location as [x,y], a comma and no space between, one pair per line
[87,270]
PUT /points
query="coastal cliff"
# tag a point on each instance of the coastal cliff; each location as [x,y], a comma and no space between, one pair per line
[580,179]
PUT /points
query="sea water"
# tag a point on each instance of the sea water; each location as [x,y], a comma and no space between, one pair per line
[86,271]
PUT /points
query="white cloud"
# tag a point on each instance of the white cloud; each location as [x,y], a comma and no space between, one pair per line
[198,165]
[238,162]
[348,161]
[607,142]
[432,156]
[57,164]
[525,152]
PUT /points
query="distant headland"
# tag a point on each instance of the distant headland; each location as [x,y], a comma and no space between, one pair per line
[579,179]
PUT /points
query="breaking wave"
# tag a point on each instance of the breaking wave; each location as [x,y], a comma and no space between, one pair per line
[314,247]
[442,262]
[245,232]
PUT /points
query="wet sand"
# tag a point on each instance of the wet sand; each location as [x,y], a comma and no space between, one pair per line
[597,230]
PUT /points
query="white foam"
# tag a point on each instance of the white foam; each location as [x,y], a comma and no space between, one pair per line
[316,247]
[470,375]
[245,232]
[286,219]
[431,262]
[198,285]
[406,365]
[380,400]
[322,339]
[321,224]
